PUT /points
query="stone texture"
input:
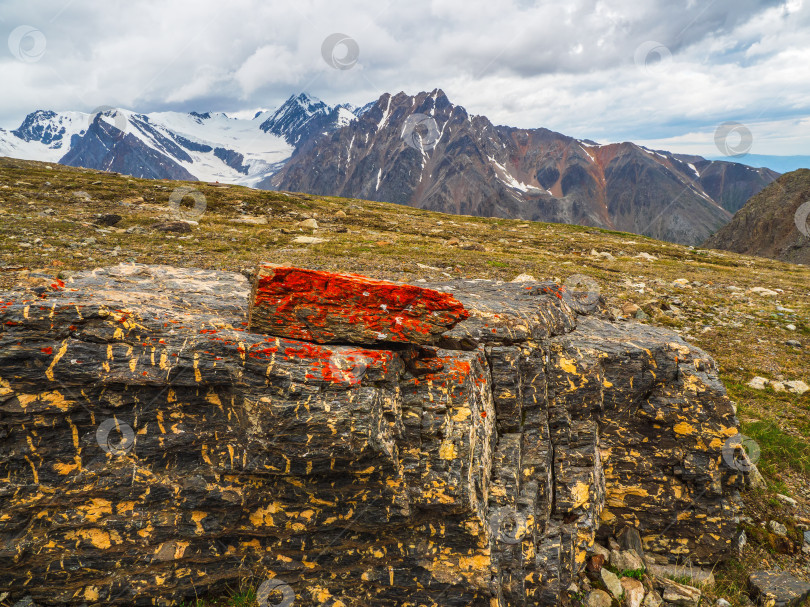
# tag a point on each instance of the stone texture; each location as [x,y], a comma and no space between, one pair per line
[626,560]
[154,449]
[679,594]
[630,539]
[612,583]
[653,599]
[598,598]
[778,589]
[342,308]
[633,592]
[699,577]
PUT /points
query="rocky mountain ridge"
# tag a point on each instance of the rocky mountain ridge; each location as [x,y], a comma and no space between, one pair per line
[464,164]
[775,223]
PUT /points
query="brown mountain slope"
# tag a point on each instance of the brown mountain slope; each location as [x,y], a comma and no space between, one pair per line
[470,166]
[771,223]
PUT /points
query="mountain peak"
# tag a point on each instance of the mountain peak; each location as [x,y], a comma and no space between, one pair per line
[302,116]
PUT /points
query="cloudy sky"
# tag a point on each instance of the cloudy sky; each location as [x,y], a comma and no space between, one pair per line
[665,73]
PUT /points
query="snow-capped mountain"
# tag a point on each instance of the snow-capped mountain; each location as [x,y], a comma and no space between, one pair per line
[304,117]
[419,150]
[173,145]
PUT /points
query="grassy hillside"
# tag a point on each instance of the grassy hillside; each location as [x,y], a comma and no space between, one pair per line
[50,221]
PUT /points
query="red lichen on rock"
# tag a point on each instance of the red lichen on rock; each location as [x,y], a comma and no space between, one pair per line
[323,307]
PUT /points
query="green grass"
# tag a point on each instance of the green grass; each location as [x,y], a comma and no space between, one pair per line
[779,450]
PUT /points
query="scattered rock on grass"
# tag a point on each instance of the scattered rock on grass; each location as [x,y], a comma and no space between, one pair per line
[782,588]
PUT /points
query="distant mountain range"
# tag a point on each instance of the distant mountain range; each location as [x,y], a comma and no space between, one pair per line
[419,150]
[782,164]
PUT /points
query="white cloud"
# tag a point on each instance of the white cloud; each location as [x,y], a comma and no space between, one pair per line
[531,63]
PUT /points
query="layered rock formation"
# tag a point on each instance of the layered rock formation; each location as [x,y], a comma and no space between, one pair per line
[153,448]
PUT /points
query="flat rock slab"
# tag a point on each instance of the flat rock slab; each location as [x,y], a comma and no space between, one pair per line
[778,589]
[343,308]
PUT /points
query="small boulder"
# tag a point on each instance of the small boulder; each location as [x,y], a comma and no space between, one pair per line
[633,592]
[797,387]
[307,240]
[777,528]
[601,550]
[308,224]
[758,383]
[782,588]
[653,599]
[788,501]
[630,309]
[595,563]
[107,219]
[612,583]
[763,292]
[698,576]
[598,598]
[626,560]
[524,278]
[679,594]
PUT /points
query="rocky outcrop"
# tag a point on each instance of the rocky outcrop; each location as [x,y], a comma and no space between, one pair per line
[153,448]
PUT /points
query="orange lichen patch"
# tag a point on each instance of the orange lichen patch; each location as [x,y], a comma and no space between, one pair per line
[324,307]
